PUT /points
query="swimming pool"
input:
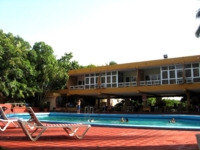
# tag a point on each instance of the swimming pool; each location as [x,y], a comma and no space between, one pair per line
[189,122]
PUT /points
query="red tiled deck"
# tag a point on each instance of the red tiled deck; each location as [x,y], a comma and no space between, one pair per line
[102,138]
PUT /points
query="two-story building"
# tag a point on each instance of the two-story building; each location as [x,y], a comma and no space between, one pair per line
[157,78]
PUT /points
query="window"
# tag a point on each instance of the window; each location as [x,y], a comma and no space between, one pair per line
[179,66]
[179,73]
[165,68]
[87,81]
[171,67]
[114,73]
[172,74]
[187,65]
[108,79]
[196,72]
[195,65]
[103,80]
[165,74]
[114,79]
[97,79]
[92,80]
[188,73]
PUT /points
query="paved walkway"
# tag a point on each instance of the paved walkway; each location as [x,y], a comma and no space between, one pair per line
[102,138]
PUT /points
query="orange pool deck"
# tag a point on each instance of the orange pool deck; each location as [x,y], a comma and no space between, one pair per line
[102,138]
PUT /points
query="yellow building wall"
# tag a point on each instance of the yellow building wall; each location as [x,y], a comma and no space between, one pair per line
[52,101]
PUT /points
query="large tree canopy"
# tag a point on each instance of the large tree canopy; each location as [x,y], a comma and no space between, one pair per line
[28,71]
[16,70]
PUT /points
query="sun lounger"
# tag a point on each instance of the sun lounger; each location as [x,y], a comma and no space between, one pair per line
[7,121]
[71,129]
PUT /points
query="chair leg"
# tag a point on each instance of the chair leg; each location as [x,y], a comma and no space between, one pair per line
[6,124]
[30,134]
[75,130]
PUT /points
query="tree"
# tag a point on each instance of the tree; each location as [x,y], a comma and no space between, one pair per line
[91,66]
[111,63]
[64,66]
[46,67]
[16,70]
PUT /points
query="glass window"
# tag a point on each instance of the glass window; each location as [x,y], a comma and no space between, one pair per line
[102,79]
[171,67]
[114,73]
[86,80]
[114,79]
[91,75]
[196,79]
[164,81]
[195,72]
[187,65]
[108,79]
[179,73]
[97,79]
[171,74]
[108,85]
[108,73]
[114,85]
[103,74]
[179,66]
[158,76]
[172,81]
[97,74]
[195,65]
[165,74]
[87,75]
[188,73]
[165,68]
[91,80]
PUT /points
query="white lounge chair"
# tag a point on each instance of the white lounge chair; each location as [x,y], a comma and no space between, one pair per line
[71,129]
[7,121]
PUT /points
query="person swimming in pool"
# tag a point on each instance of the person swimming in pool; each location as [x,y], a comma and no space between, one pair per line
[122,119]
[172,121]
[91,120]
[126,119]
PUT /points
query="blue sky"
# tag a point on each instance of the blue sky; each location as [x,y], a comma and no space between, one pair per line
[100,31]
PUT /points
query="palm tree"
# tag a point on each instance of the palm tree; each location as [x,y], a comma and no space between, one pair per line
[197,33]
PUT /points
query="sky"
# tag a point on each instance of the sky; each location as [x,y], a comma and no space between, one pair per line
[100,31]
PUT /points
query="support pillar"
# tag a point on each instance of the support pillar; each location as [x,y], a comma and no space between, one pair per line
[108,101]
[188,100]
[127,102]
[144,99]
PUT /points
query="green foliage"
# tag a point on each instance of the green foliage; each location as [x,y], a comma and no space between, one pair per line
[171,102]
[151,101]
[91,66]
[16,70]
[111,63]
[27,72]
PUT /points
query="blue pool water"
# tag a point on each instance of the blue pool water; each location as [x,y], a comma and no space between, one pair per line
[189,122]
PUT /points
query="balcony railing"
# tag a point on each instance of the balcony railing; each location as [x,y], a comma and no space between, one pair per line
[128,84]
